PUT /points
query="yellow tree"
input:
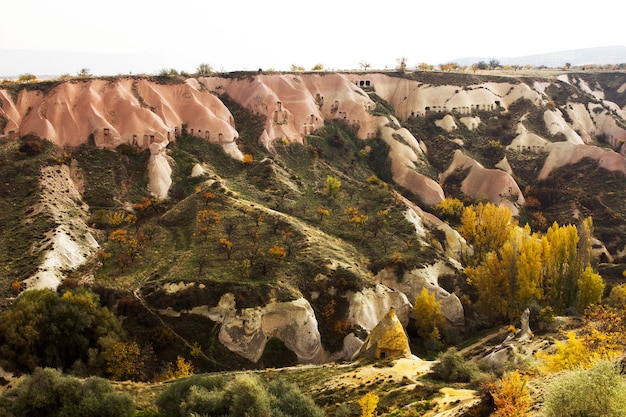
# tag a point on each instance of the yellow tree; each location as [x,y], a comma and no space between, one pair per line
[512,396]
[368,403]
[430,321]
[590,289]
[486,227]
[507,280]
[528,278]
[560,271]
[332,185]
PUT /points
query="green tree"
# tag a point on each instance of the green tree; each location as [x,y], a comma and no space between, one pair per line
[204,70]
[173,397]
[42,328]
[26,78]
[124,361]
[452,367]
[290,401]
[247,396]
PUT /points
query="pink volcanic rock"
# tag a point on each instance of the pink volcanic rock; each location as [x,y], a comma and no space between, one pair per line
[495,185]
[565,153]
[297,104]
[115,112]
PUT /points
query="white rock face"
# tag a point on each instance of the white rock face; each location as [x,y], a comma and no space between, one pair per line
[197,171]
[413,282]
[247,331]
[406,155]
[370,305]
[557,125]
[71,243]
[471,123]
[447,123]
[565,153]
[159,171]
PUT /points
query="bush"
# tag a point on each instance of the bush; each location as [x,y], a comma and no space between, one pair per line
[599,391]
[171,400]
[204,402]
[47,392]
[245,395]
[290,401]
[452,367]
[511,396]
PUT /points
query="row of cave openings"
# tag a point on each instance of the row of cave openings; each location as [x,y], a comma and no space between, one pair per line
[147,139]
[367,84]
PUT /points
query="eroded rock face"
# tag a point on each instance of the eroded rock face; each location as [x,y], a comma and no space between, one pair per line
[413,282]
[495,185]
[133,111]
[142,112]
[159,171]
[247,331]
[72,242]
[369,306]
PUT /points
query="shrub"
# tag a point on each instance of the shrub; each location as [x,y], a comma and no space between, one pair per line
[172,398]
[202,401]
[511,396]
[368,403]
[599,391]
[452,367]
[290,401]
[47,392]
[246,396]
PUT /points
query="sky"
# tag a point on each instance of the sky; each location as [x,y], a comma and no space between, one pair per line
[140,36]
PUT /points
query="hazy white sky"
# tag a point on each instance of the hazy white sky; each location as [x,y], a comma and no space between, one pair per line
[250,34]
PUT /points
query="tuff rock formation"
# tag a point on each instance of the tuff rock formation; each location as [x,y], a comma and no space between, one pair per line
[388,340]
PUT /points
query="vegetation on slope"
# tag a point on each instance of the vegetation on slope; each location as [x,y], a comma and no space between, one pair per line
[266,228]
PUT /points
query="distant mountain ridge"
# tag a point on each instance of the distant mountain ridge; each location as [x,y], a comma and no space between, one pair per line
[606,55]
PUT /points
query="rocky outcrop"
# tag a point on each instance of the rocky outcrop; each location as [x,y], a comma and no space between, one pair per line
[126,110]
[246,331]
[159,171]
[564,153]
[71,242]
[495,185]
[369,306]
[388,340]
[427,277]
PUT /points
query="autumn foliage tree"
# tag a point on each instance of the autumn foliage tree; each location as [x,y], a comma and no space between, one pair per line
[430,321]
[511,266]
[486,227]
[511,396]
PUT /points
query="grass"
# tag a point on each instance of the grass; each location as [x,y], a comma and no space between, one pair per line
[19,192]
